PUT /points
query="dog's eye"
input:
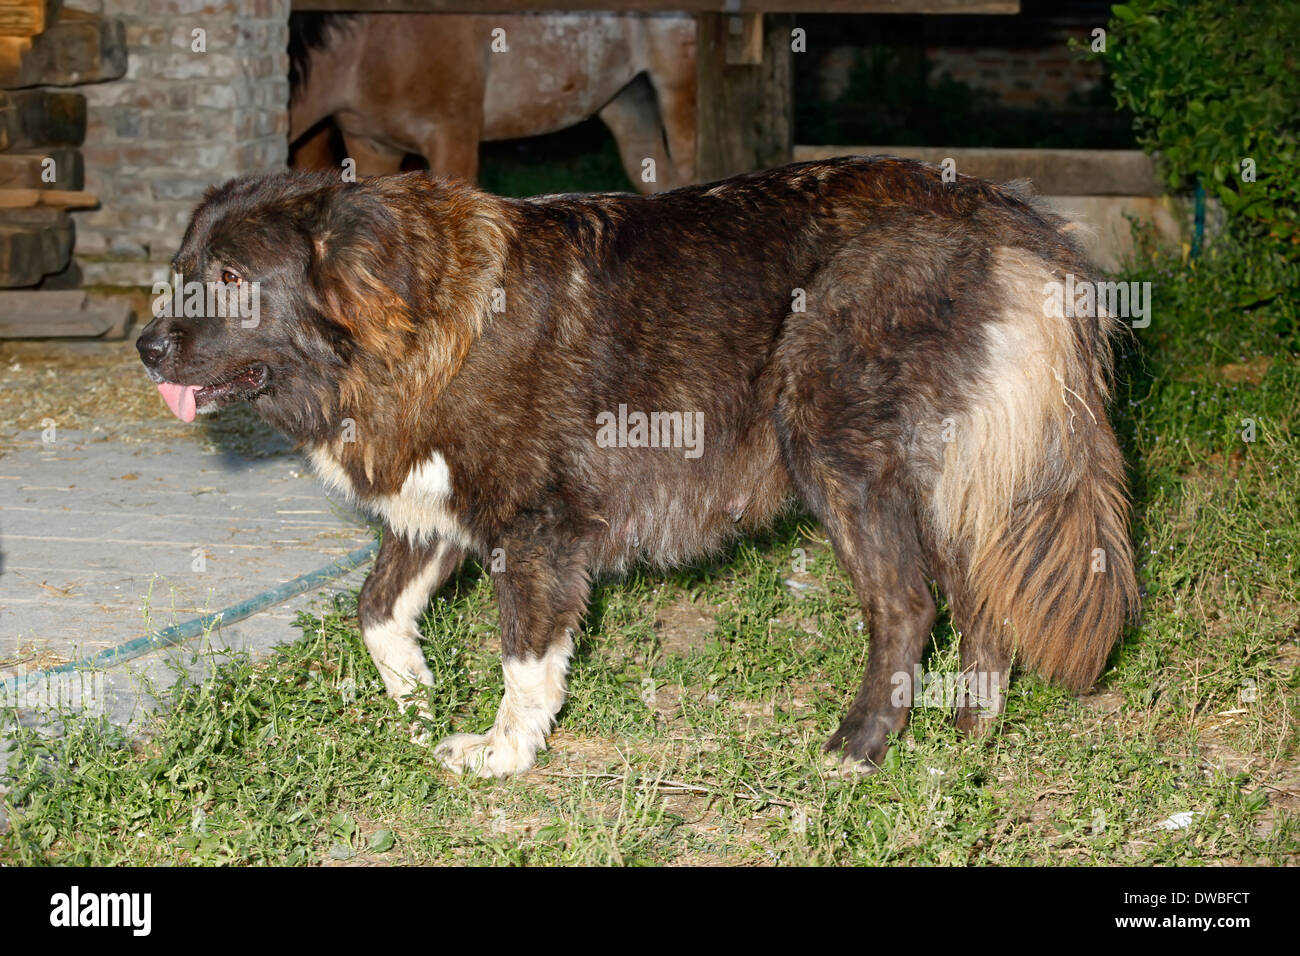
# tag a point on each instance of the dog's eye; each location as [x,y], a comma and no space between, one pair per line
[231,278]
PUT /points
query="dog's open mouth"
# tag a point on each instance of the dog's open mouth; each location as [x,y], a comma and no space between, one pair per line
[186,401]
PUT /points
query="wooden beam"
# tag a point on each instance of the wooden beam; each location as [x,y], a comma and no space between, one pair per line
[35,241]
[28,300]
[97,320]
[58,198]
[36,119]
[28,170]
[73,50]
[24,256]
[49,325]
[658,6]
[745,40]
[1054,172]
[43,313]
[743,113]
[25,18]
[33,249]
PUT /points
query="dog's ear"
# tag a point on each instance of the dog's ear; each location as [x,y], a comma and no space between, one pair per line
[356,270]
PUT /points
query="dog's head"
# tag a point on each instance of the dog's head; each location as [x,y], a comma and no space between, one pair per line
[282,284]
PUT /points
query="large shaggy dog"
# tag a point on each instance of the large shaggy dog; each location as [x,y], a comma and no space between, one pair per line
[566,385]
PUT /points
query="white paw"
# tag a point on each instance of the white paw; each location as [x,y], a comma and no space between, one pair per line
[420,702]
[848,768]
[408,685]
[485,755]
[420,734]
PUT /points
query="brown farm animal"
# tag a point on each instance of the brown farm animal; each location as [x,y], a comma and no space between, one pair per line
[437,84]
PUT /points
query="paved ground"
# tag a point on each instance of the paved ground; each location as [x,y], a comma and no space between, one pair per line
[102,540]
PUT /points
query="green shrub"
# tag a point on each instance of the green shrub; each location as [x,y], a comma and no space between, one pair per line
[1214,85]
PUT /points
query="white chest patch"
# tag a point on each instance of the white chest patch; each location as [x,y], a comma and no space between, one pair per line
[418,511]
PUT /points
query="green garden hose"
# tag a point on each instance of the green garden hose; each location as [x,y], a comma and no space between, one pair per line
[179,633]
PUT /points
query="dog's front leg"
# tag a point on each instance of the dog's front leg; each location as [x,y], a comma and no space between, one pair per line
[392,599]
[542,594]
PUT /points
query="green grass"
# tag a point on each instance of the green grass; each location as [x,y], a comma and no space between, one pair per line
[700,699]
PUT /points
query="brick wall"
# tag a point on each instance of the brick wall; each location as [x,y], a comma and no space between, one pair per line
[179,121]
[1048,75]
[1021,60]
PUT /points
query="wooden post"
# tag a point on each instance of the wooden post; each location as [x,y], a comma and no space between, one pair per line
[744,113]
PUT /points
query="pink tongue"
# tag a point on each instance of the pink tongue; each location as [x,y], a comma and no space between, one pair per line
[180,399]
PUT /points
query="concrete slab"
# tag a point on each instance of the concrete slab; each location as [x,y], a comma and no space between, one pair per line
[103,541]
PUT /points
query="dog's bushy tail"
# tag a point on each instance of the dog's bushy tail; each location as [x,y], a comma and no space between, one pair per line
[1030,506]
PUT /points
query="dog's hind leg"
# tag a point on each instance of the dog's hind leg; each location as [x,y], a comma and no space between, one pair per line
[980,694]
[985,674]
[542,594]
[843,443]
[874,534]
[391,601]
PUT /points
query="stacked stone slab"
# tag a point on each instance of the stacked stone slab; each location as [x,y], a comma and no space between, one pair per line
[43,50]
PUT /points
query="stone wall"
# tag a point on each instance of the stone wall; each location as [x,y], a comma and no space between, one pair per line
[192,110]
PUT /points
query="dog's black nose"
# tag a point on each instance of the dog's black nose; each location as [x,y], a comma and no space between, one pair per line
[153,347]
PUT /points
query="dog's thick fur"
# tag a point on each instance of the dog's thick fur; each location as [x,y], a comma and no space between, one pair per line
[857,334]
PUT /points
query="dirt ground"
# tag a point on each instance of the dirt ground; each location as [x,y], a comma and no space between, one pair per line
[100,387]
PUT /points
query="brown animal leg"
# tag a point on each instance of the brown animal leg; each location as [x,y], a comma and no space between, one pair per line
[454,152]
[877,543]
[985,658]
[842,419]
[671,68]
[315,150]
[986,671]
[372,158]
[677,113]
[391,602]
[633,117]
[542,594]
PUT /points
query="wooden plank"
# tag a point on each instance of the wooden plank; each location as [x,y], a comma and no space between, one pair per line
[1053,172]
[745,40]
[59,198]
[119,314]
[41,119]
[56,246]
[41,325]
[26,170]
[70,300]
[23,258]
[12,50]
[33,216]
[24,18]
[658,6]
[101,318]
[69,277]
[34,242]
[71,51]
[743,113]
